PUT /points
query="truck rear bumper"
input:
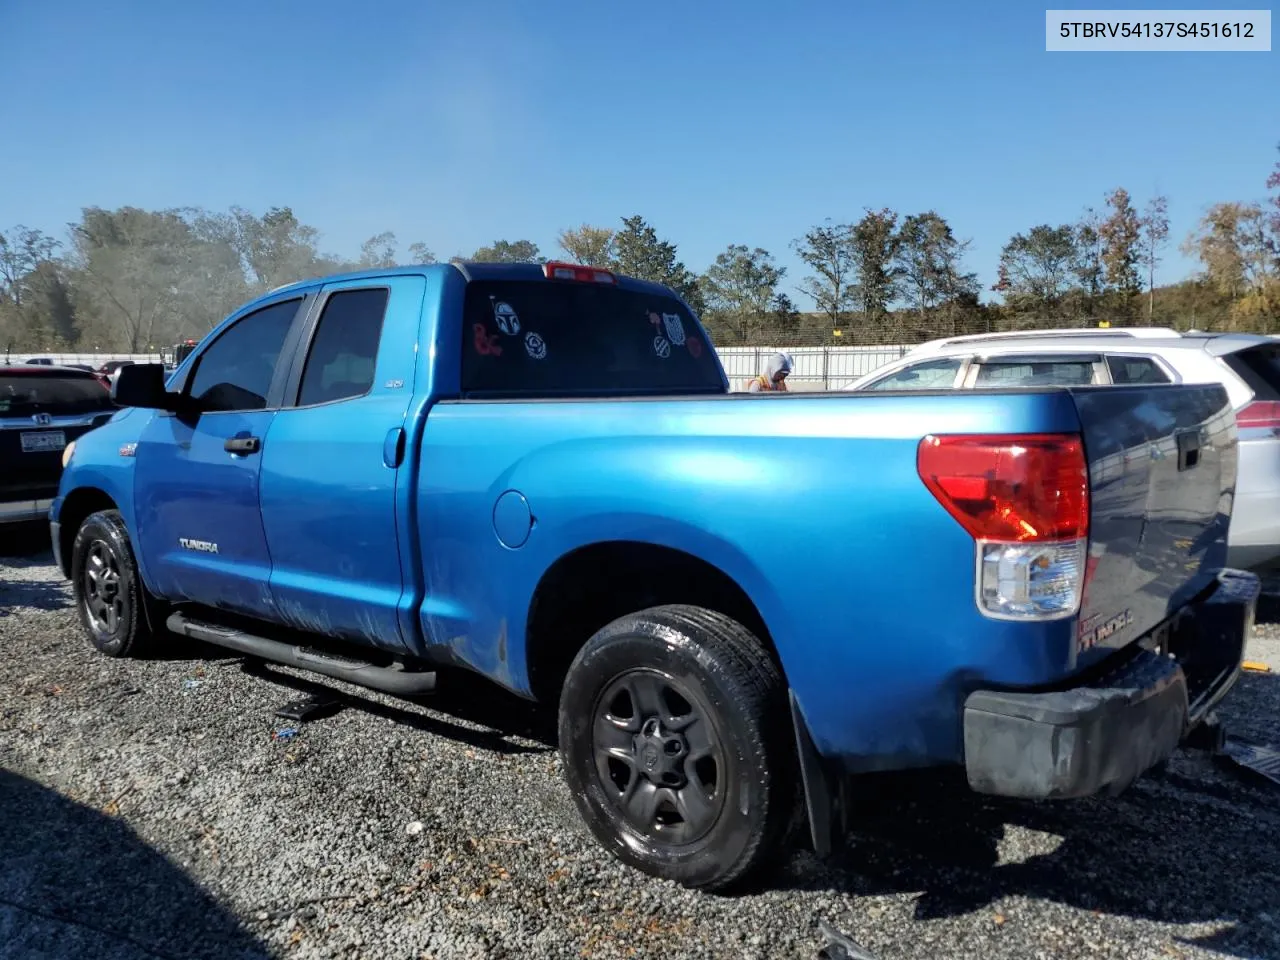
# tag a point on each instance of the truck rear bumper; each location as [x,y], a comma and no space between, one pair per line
[1101,735]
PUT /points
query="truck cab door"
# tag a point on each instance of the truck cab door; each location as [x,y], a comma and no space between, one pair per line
[334,456]
[199,525]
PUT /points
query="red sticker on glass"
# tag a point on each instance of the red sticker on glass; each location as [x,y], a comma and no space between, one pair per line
[694,346]
[486,343]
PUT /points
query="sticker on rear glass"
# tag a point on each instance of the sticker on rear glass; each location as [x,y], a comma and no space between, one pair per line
[662,347]
[504,315]
[675,328]
[656,320]
[694,346]
[535,345]
[486,343]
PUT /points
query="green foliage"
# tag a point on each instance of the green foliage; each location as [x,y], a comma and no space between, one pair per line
[740,290]
[509,251]
[828,251]
[875,244]
[639,253]
[589,246]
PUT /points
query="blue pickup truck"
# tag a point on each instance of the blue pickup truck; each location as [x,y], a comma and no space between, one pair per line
[739,604]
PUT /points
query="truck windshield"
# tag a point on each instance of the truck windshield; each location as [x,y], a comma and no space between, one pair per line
[550,338]
[25,395]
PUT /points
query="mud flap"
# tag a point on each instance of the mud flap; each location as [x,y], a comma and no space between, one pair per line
[823,794]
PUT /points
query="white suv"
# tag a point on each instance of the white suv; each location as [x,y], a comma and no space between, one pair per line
[1247,365]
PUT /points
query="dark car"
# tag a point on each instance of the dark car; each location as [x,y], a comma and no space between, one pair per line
[42,409]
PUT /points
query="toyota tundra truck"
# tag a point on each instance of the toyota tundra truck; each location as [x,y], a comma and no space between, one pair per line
[738,604]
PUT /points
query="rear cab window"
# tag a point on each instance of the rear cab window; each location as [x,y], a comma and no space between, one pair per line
[24,395]
[554,338]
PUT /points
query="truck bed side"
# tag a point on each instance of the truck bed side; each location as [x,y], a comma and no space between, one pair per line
[837,543]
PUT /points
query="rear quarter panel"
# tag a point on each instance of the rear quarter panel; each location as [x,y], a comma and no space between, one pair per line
[811,503]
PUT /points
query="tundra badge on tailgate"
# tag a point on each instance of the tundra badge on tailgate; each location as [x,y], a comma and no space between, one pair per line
[1096,629]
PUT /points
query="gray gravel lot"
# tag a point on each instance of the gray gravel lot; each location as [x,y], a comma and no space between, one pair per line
[149,809]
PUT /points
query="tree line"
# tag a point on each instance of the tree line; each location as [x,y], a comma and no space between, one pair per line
[133,280]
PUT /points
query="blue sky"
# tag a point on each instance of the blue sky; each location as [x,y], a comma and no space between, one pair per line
[460,123]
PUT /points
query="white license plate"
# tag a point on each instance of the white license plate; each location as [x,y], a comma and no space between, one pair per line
[42,442]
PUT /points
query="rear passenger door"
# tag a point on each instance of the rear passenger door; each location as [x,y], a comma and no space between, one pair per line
[333,460]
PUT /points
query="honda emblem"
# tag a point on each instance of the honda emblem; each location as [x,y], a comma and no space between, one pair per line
[42,419]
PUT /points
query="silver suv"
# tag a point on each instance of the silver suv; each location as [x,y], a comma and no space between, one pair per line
[1247,365]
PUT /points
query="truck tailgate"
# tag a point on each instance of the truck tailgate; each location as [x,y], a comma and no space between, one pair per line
[1162,470]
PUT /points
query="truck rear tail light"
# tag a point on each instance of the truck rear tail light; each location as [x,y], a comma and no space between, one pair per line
[1024,498]
[1264,414]
[556,270]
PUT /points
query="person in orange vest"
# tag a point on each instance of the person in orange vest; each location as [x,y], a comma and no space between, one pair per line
[774,376]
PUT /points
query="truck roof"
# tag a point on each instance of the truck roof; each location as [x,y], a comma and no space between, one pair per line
[470,270]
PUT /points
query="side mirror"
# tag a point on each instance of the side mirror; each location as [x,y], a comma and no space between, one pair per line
[142,385]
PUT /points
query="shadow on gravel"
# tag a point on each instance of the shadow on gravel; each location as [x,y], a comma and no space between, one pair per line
[25,540]
[37,594]
[21,553]
[1175,848]
[460,694]
[77,883]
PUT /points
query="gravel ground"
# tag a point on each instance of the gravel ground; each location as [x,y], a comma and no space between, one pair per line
[151,809]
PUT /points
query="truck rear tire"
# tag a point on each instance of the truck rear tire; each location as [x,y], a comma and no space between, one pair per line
[676,742]
[108,591]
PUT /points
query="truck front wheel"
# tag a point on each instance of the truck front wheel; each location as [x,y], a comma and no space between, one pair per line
[108,591]
[675,737]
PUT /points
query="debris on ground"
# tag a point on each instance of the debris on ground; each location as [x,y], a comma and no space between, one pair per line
[1256,758]
[313,707]
[1255,666]
[288,733]
[839,946]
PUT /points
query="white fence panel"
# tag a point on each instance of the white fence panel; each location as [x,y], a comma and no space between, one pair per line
[820,368]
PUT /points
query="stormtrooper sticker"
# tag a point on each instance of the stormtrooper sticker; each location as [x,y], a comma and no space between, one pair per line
[675,328]
[535,345]
[662,347]
[504,315]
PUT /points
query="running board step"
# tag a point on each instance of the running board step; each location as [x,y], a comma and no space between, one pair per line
[393,679]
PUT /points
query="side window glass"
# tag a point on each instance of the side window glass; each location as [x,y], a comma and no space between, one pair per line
[235,371]
[1135,370]
[344,350]
[929,375]
[1035,373]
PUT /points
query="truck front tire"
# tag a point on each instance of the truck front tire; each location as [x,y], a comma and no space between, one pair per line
[108,591]
[675,737]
